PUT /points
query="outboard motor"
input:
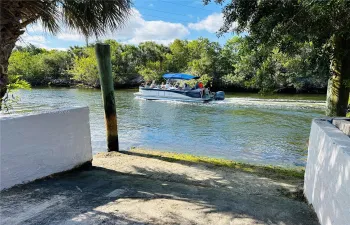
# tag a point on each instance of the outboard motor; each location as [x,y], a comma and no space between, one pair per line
[220,95]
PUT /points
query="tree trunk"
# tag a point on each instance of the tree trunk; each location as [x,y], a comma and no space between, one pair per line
[338,92]
[5,52]
[10,30]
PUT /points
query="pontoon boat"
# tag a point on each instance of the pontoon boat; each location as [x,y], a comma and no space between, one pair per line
[178,94]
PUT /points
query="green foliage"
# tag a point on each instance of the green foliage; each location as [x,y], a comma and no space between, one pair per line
[287,22]
[15,82]
[39,66]
[179,55]
[56,64]
[85,69]
[125,62]
[203,55]
[240,63]
[303,38]
[269,69]
[149,74]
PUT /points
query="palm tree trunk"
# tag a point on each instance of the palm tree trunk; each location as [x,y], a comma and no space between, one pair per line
[338,90]
[5,53]
[10,30]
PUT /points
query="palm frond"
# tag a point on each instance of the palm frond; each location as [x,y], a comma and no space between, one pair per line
[89,17]
[95,17]
[29,11]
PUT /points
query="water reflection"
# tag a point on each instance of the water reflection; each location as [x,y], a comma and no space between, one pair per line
[254,130]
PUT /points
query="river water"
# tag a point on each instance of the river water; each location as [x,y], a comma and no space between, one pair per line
[244,127]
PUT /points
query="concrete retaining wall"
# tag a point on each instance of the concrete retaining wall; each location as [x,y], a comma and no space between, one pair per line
[35,146]
[327,175]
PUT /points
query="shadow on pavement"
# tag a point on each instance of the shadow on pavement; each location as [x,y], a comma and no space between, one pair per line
[103,196]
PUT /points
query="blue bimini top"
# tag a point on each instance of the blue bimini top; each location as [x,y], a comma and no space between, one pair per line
[179,76]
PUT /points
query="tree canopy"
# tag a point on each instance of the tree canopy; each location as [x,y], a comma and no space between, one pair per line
[233,66]
[320,29]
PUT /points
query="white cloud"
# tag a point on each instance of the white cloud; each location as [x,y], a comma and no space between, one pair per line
[134,31]
[37,28]
[34,38]
[70,36]
[58,49]
[136,41]
[160,30]
[37,40]
[64,34]
[211,24]
[138,30]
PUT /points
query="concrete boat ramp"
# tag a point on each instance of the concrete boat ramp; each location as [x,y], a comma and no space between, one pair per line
[135,188]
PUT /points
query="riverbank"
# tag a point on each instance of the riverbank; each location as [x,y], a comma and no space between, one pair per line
[142,187]
[134,84]
[261,170]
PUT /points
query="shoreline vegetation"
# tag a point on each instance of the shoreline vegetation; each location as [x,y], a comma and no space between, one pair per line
[228,67]
[270,171]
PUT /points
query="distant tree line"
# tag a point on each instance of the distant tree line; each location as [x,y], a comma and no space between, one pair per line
[238,65]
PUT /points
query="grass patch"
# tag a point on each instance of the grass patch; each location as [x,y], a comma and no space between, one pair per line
[262,170]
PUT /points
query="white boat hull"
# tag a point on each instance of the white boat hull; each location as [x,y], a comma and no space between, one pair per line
[172,95]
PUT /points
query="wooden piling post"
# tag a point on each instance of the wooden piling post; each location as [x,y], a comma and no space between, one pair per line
[103,54]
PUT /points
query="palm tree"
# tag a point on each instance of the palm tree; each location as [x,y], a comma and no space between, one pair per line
[89,17]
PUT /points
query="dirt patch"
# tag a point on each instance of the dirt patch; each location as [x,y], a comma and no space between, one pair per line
[134,189]
[202,174]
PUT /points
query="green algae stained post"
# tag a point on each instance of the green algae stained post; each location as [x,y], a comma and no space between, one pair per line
[103,54]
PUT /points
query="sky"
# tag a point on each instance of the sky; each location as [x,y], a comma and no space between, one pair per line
[161,21]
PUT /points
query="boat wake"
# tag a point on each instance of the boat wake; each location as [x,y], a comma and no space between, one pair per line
[274,103]
[258,103]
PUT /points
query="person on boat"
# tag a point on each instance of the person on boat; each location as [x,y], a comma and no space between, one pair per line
[207,88]
[196,86]
[186,87]
[200,85]
[162,86]
[147,85]
[167,86]
[153,85]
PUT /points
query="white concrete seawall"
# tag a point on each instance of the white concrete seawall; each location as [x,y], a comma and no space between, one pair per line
[327,175]
[35,146]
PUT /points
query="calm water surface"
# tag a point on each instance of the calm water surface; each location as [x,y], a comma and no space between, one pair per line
[244,127]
